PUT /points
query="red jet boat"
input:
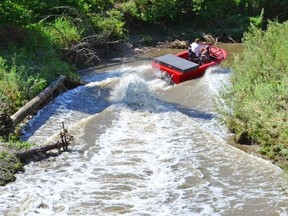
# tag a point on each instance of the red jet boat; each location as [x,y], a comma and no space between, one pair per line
[178,68]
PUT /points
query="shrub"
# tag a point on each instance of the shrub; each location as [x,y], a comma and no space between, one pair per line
[109,24]
[14,13]
[151,11]
[63,32]
[256,102]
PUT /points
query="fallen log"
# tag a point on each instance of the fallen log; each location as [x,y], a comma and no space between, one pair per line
[42,152]
[60,85]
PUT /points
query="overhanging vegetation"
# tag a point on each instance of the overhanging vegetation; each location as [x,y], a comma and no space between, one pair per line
[256,102]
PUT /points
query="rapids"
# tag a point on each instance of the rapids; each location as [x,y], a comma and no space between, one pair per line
[142,147]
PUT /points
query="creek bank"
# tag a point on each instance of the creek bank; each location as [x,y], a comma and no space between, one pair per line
[9,165]
[12,160]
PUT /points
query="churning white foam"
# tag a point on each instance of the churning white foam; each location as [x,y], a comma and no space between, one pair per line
[216,78]
[147,163]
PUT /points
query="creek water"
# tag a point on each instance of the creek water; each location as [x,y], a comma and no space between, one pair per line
[145,148]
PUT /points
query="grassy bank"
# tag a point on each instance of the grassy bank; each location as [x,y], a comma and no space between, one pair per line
[30,58]
[9,165]
[255,105]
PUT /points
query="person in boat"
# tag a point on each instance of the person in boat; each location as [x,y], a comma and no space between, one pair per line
[199,52]
[196,46]
[205,55]
[195,50]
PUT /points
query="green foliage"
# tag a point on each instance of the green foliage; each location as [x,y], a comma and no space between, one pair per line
[148,40]
[17,144]
[3,154]
[213,11]
[109,24]
[63,32]
[276,9]
[18,85]
[258,20]
[27,71]
[151,11]
[83,6]
[23,12]
[14,12]
[256,103]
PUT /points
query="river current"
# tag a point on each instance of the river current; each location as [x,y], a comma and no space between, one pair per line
[142,148]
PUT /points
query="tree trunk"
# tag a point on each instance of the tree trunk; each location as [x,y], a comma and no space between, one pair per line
[55,88]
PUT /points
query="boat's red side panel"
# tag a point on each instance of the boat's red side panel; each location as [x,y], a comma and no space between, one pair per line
[179,77]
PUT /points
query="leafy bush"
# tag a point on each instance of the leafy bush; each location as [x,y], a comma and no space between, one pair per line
[15,13]
[152,11]
[63,32]
[18,85]
[109,24]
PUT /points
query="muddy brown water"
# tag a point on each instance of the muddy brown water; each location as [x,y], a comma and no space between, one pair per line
[143,147]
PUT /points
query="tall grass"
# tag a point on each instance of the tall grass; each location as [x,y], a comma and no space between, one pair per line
[256,102]
[19,85]
[63,32]
[27,70]
[110,24]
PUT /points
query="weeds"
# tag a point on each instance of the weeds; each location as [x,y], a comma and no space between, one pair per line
[26,71]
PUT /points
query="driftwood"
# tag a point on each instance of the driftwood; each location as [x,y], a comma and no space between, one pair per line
[210,39]
[55,88]
[42,152]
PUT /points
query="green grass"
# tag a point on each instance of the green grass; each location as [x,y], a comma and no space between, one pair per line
[26,70]
[14,143]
